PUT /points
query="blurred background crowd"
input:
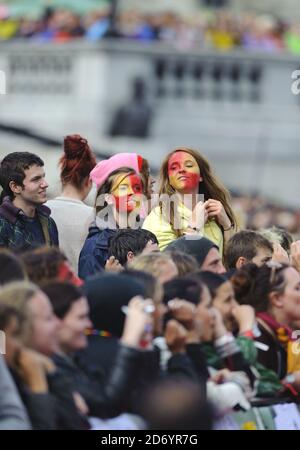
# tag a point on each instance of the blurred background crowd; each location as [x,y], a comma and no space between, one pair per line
[214,29]
[255,212]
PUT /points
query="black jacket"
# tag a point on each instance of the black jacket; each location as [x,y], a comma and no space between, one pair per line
[275,357]
[54,410]
[99,357]
[106,392]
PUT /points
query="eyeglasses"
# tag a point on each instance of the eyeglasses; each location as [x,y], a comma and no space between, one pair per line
[274,266]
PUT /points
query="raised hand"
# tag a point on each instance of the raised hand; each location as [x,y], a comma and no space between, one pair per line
[279,254]
[214,208]
[113,265]
[139,323]
[176,336]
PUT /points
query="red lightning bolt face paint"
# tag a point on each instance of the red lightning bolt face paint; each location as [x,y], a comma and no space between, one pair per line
[183,172]
[127,191]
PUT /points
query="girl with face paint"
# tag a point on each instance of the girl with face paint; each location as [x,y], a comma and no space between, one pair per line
[126,192]
[117,206]
[192,201]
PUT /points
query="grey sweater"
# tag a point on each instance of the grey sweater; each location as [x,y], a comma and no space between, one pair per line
[13,415]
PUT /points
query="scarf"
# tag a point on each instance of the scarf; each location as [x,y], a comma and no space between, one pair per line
[284,335]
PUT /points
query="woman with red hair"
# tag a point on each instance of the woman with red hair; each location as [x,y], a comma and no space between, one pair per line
[72,216]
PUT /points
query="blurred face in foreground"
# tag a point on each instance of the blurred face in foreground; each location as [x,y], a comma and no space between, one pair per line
[205,315]
[72,335]
[167,271]
[225,302]
[44,325]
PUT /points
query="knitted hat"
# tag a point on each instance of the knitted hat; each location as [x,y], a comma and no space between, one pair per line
[106,294]
[104,168]
[198,248]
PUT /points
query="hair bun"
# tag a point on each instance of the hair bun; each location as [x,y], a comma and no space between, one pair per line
[75,146]
[77,160]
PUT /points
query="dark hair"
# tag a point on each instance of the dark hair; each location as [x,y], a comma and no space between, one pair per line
[42,264]
[245,243]
[77,161]
[12,268]
[125,241]
[187,288]
[145,174]
[199,248]
[212,280]
[185,263]
[106,294]
[252,284]
[62,295]
[12,168]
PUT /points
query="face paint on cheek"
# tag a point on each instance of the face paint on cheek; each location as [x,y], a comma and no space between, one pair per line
[130,200]
[183,171]
[188,181]
[192,181]
[135,184]
[123,203]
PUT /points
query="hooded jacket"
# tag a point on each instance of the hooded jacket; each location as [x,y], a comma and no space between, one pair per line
[14,233]
[94,252]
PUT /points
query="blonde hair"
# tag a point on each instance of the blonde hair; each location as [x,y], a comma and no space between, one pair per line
[16,295]
[150,262]
[278,235]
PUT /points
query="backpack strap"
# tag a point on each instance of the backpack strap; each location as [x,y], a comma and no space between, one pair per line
[44,224]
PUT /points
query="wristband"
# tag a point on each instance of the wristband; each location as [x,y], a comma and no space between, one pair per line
[249,334]
[288,384]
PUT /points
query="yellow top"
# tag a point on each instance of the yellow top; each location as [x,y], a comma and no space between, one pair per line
[162,229]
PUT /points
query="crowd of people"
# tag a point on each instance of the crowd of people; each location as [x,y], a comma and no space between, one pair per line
[150,310]
[221,29]
[256,212]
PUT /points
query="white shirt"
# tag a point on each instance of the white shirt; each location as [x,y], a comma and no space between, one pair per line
[73,218]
